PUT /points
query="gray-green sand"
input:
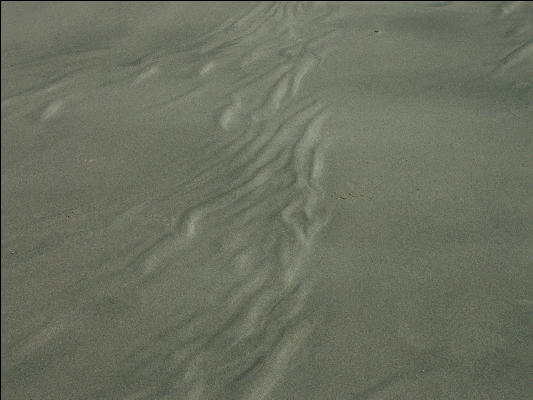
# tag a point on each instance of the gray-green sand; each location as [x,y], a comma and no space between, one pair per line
[267,201]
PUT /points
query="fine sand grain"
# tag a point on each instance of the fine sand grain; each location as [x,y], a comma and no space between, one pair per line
[267,201]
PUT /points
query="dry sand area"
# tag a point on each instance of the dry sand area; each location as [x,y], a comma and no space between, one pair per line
[267,201]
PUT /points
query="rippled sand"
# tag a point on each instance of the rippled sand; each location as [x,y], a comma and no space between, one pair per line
[293,200]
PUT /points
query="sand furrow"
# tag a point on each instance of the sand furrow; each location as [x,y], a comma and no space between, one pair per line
[302,71]
[240,347]
[522,53]
[274,98]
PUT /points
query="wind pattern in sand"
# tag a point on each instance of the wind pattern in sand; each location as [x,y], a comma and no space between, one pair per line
[248,235]
[255,205]
[265,214]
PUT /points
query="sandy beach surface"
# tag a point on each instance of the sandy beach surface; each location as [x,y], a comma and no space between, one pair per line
[267,201]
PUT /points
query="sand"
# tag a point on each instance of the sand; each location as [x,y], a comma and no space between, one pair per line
[269,201]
